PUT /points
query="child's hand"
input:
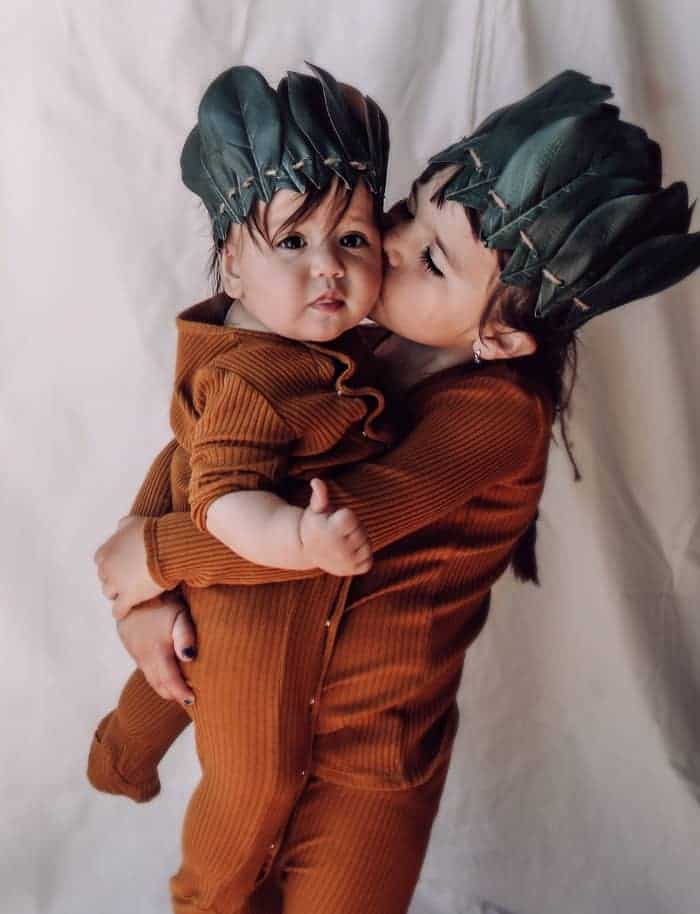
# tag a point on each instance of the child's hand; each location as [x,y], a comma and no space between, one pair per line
[334,541]
[122,567]
[157,637]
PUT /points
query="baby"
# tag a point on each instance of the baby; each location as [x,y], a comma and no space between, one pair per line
[272,381]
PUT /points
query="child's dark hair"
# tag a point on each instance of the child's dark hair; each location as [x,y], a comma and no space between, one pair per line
[552,366]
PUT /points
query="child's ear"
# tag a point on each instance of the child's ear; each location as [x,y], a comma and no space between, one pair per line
[502,342]
[229,257]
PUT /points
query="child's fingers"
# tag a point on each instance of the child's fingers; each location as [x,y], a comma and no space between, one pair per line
[184,638]
[120,608]
[109,591]
[165,677]
[319,496]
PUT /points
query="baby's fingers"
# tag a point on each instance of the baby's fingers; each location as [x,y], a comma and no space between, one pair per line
[363,554]
[344,522]
[357,539]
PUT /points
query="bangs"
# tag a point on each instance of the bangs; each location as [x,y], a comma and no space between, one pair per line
[439,198]
[339,195]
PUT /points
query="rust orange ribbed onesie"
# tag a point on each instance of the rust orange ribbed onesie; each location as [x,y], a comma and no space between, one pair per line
[444,510]
[252,410]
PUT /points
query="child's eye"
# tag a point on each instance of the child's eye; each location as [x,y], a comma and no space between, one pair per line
[292,243]
[429,263]
[353,240]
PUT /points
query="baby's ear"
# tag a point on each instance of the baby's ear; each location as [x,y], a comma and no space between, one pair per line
[229,256]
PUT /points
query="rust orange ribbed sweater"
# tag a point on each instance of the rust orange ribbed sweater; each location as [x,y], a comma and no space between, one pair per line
[375,679]
[443,510]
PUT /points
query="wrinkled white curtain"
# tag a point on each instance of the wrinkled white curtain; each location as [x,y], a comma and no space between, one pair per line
[574,784]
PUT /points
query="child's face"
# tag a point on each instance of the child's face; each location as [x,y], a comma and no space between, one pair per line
[316,280]
[438,276]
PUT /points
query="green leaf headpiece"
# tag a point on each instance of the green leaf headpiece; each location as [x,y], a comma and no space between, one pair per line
[251,141]
[575,193]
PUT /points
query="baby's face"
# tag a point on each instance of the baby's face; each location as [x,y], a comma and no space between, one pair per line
[316,280]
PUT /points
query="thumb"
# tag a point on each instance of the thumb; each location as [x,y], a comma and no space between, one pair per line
[184,637]
[319,496]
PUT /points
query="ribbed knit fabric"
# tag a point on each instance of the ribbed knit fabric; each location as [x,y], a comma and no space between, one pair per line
[444,510]
[250,410]
[364,684]
[351,851]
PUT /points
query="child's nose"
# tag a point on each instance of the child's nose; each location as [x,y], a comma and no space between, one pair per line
[327,263]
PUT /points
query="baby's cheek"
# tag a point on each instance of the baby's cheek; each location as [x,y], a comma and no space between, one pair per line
[373,276]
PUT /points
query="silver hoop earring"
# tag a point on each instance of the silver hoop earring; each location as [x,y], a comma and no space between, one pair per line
[477,354]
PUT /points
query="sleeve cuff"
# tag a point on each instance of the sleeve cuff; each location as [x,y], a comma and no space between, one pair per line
[177,553]
[150,536]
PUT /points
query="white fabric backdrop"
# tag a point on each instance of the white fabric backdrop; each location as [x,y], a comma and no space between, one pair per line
[575,782]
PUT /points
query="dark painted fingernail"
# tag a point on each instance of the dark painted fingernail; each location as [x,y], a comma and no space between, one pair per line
[188,701]
[190,652]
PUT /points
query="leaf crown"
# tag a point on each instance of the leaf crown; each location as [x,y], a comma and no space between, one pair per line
[251,140]
[575,193]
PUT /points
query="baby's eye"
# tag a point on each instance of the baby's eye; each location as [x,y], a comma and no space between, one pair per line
[353,240]
[292,243]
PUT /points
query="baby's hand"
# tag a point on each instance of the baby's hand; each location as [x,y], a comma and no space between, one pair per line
[334,541]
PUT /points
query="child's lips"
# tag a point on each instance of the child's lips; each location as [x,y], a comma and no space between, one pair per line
[328,303]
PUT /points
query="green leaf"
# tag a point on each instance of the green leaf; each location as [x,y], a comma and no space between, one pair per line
[647,269]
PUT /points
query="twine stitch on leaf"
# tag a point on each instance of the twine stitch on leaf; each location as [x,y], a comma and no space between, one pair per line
[477,161]
[500,202]
[552,278]
[528,241]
